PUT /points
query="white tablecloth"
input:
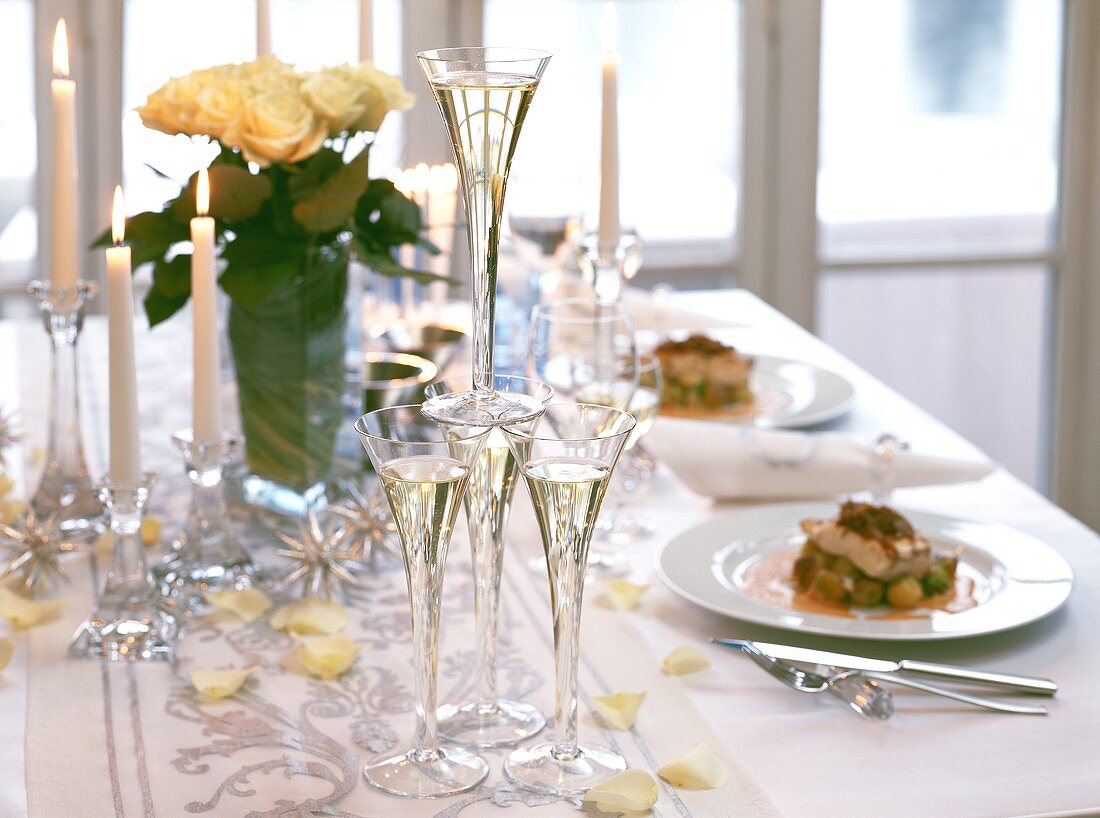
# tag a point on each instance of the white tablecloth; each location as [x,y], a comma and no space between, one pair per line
[807,757]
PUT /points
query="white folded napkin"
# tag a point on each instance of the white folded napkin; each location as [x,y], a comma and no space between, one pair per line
[726,461]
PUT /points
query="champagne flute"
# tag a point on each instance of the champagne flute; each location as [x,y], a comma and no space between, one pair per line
[487,720]
[483,95]
[424,467]
[566,458]
[587,352]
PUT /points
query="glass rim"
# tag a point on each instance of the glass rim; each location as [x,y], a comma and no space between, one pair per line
[617,311]
[465,379]
[515,430]
[360,427]
[487,54]
[426,371]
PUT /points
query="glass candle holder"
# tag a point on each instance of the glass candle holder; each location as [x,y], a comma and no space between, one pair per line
[608,269]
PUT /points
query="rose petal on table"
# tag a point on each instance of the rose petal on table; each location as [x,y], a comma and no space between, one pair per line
[311,616]
[701,769]
[624,594]
[686,659]
[247,604]
[326,656]
[23,612]
[619,709]
[632,791]
[220,683]
[150,530]
[7,648]
[10,510]
[6,484]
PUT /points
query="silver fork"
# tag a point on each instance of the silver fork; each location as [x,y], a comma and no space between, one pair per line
[839,684]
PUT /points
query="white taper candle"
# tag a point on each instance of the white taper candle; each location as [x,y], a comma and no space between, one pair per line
[263,28]
[366,30]
[63,224]
[125,445]
[206,391]
[608,232]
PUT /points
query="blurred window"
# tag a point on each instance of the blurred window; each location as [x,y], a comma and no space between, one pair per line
[18,145]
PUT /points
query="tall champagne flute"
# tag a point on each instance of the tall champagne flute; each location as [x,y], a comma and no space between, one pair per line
[423,466]
[483,95]
[586,351]
[566,458]
[485,720]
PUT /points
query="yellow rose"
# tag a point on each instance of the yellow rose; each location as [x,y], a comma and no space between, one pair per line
[173,106]
[277,126]
[219,106]
[336,97]
[381,93]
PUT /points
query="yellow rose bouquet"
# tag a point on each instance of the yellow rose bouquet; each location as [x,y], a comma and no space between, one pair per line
[293,203]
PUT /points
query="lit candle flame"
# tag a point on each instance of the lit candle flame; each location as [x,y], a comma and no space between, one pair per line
[61,49]
[202,193]
[609,26]
[118,216]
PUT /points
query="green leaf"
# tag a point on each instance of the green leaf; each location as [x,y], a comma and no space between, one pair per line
[386,218]
[257,264]
[312,172]
[383,263]
[235,194]
[160,307]
[173,278]
[330,205]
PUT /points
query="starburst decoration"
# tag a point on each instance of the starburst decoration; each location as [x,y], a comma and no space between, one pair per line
[9,434]
[31,547]
[368,528]
[319,560]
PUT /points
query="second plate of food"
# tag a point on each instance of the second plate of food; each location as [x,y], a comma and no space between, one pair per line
[745,563]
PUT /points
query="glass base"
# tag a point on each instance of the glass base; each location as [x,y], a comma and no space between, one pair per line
[483,408]
[136,636]
[191,582]
[538,769]
[601,564]
[506,723]
[433,774]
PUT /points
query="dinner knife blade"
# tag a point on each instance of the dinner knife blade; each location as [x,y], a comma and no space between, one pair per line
[792,653]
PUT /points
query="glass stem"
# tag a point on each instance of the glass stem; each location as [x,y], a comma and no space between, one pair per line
[566,592]
[129,582]
[65,472]
[485,554]
[424,572]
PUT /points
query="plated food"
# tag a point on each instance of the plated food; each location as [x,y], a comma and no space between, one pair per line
[870,555]
[703,377]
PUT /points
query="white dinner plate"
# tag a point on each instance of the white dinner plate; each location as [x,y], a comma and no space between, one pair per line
[1017,577]
[790,394]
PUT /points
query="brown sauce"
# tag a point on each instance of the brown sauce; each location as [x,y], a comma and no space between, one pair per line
[769,580]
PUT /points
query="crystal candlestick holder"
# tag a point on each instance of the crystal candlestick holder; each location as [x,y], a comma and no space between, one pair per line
[65,491]
[130,621]
[207,555]
[607,269]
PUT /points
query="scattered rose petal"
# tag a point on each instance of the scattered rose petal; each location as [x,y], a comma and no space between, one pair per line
[23,612]
[311,616]
[247,604]
[683,660]
[220,683]
[10,510]
[619,709]
[629,791]
[326,656]
[6,484]
[701,769]
[150,530]
[7,648]
[624,594]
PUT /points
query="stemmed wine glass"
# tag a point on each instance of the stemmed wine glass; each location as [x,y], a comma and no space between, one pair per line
[566,458]
[483,95]
[615,522]
[587,352]
[486,720]
[424,467]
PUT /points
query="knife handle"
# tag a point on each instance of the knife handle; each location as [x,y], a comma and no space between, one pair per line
[1023,684]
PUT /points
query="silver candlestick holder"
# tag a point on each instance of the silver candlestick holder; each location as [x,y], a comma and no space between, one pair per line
[208,554]
[608,269]
[66,490]
[130,620]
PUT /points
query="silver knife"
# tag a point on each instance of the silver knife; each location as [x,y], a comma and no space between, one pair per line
[1011,681]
